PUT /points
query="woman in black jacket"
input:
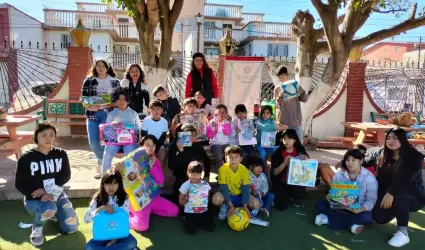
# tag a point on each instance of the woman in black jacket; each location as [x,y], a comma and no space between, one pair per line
[400,183]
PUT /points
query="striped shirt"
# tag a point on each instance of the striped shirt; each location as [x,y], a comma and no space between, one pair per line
[368,186]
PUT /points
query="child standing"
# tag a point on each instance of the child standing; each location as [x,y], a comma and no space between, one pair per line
[181,157]
[135,84]
[110,195]
[171,106]
[260,185]
[233,179]
[203,105]
[194,197]
[157,126]
[265,124]
[290,147]
[354,219]
[122,114]
[241,113]
[37,171]
[220,131]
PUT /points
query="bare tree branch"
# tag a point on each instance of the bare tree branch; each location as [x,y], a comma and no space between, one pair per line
[319,5]
[153,12]
[413,13]
[377,10]
[175,11]
[321,32]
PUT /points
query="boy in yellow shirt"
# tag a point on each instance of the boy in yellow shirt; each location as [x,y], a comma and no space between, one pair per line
[234,185]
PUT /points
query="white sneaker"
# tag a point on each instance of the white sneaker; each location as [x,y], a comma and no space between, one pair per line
[399,239]
[37,237]
[99,171]
[356,229]
[321,219]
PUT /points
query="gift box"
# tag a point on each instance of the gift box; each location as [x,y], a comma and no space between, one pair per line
[117,134]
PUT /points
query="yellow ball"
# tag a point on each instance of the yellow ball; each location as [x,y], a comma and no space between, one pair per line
[239,220]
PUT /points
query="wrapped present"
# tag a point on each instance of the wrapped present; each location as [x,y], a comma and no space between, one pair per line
[117,134]
[290,89]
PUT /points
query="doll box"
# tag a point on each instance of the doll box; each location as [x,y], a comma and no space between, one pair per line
[122,134]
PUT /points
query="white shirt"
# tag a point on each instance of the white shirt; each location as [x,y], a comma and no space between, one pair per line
[192,188]
[104,86]
[112,201]
[155,128]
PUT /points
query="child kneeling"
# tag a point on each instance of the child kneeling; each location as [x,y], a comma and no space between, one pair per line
[194,197]
[354,219]
[233,180]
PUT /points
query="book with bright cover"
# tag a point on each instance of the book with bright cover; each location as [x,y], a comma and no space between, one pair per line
[198,197]
[344,195]
[102,99]
[140,186]
[199,121]
[185,138]
[290,89]
[246,135]
[120,134]
[268,139]
[302,172]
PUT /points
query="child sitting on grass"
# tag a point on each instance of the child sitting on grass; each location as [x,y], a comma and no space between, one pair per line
[260,186]
[233,179]
[194,197]
[354,219]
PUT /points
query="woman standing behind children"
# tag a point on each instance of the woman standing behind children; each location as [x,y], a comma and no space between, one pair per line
[290,147]
[110,195]
[260,185]
[122,114]
[36,181]
[265,124]
[101,81]
[219,131]
[355,219]
[135,84]
[194,197]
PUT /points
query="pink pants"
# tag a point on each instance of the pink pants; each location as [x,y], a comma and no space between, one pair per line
[139,221]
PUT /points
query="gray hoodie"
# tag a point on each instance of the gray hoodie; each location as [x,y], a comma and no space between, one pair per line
[126,116]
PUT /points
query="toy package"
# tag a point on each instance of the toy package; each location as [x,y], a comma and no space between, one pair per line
[111,226]
[199,121]
[185,138]
[246,135]
[120,134]
[102,99]
[138,183]
[345,195]
[302,172]
[198,197]
[290,89]
[268,139]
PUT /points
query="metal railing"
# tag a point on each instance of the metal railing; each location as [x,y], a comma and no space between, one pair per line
[268,29]
[223,10]
[69,19]
[252,17]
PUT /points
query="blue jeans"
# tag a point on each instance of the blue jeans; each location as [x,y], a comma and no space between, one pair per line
[263,152]
[46,210]
[110,152]
[127,243]
[93,134]
[218,152]
[342,219]
[299,130]
[268,201]
[248,151]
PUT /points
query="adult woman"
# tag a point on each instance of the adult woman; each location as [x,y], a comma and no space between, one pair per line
[201,78]
[135,84]
[400,185]
[101,81]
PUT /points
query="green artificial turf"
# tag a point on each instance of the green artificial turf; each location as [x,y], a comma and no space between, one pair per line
[291,229]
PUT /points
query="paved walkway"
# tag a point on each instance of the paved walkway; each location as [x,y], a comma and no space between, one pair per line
[82,160]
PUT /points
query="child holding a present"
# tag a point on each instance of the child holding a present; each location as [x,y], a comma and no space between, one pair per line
[266,133]
[111,194]
[121,115]
[203,105]
[244,128]
[194,197]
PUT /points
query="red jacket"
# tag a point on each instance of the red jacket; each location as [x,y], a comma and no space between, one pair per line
[189,84]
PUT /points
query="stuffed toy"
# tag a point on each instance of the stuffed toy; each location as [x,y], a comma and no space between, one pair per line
[405,119]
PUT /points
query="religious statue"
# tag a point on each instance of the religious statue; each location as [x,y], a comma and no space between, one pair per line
[227,44]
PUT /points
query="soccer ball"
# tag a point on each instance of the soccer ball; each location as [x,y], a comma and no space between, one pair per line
[239,220]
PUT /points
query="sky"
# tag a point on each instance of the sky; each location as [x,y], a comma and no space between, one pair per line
[274,10]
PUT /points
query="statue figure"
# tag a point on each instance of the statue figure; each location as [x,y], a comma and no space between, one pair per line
[227,44]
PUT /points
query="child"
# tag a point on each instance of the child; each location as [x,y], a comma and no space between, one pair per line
[157,126]
[189,108]
[110,195]
[39,169]
[220,131]
[171,106]
[265,124]
[196,217]
[139,220]
[233,180]
[355,219]
[241,113]
[181,157]
[122,114]
[260,185]
[203,105]
[135,84]
[290,147]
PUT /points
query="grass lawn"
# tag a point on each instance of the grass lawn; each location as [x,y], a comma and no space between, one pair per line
[288,230]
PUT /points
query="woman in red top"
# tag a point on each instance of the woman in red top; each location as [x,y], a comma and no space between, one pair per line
[290,147]
[201,78]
